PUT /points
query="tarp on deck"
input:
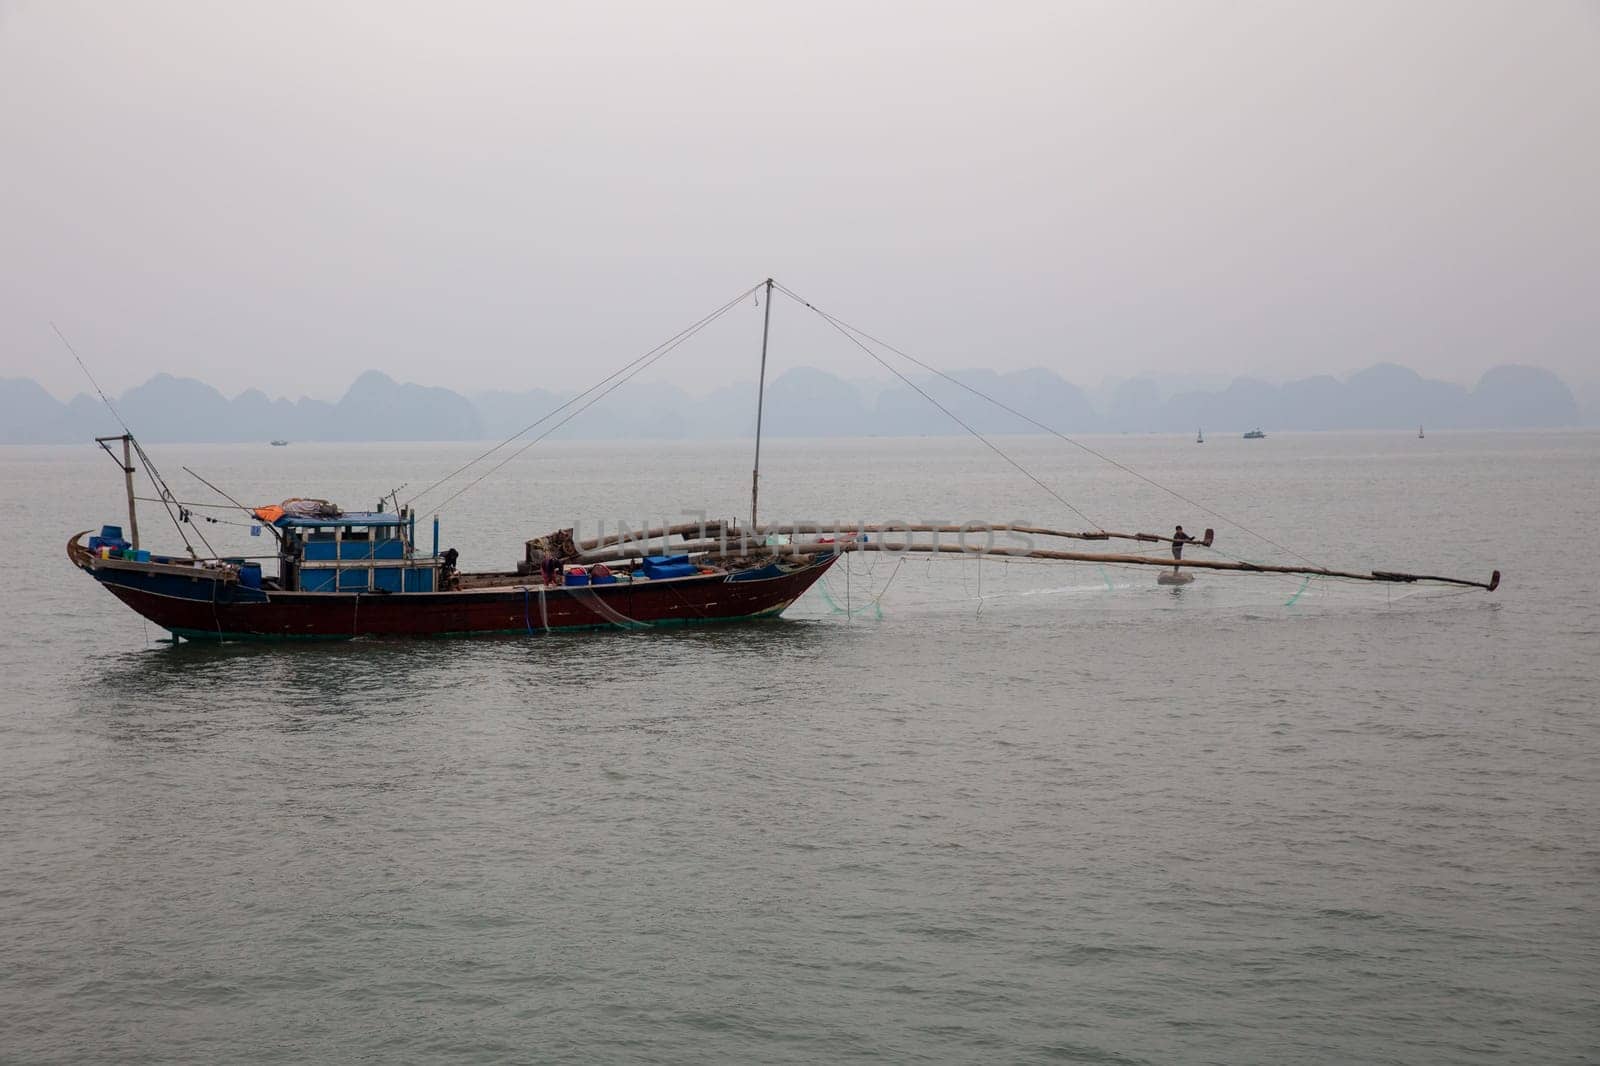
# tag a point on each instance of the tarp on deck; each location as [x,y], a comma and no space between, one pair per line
[297,507]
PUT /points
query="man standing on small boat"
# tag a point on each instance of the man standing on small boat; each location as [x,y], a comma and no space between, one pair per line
[1179,539]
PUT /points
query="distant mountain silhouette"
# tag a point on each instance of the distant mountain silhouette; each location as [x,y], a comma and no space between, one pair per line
[1588,394]
[168,408]
[1511,396]
[802,402]
[376,407]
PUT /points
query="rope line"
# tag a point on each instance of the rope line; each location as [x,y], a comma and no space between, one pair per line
[853,332]
[660,354]
[166,492]
[949,413]
[630,368]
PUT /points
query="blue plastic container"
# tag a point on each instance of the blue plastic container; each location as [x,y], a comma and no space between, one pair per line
[662,566]
[142,556]
[671,570]
[110,537]
[577,577]
[249,575]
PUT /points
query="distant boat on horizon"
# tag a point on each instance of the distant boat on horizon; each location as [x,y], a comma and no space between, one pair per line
[1200,436]
[279,443]
[1419,432]
[1255,434]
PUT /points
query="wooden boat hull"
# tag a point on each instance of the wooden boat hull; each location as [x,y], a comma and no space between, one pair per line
[208,606]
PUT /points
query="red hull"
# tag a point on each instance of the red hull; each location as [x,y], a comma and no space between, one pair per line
[528,609]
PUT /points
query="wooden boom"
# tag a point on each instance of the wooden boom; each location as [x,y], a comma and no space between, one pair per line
[624,536]
[1147,560]
[737,539]
[841,528]
[733,546]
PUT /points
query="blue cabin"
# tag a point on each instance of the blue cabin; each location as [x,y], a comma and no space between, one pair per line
[359,551]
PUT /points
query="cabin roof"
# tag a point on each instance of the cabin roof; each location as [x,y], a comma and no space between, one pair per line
[348,518]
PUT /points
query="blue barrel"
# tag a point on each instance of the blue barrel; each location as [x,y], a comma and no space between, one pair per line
[250,575]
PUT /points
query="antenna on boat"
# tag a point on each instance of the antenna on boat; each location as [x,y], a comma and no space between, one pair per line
[761,389]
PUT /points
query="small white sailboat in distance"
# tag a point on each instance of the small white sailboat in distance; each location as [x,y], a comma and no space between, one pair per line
[1200,436]
[1419,432]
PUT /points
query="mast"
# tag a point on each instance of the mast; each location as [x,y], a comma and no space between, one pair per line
[761,389]
[127,480]
[127,474]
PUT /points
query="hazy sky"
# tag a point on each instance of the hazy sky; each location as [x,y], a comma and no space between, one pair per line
[476,195]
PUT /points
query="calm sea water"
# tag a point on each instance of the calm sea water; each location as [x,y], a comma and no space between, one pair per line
[946,812]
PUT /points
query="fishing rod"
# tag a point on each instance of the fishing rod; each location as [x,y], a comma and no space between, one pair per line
[130,443]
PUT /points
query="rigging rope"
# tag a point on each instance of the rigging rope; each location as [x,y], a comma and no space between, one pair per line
[660,353]
[951,414]
[167,494]
[854,332]
[630,368]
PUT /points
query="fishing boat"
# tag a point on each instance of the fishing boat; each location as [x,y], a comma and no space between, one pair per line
[343,574]
[339,573]
[1255,434]
[360,574]
[1199,436]
[280,444]
[1419,433]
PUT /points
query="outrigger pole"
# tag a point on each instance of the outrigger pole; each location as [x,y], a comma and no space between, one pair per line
[727,546]
[1147,560]
[720,539]
[590,549]
[761,390]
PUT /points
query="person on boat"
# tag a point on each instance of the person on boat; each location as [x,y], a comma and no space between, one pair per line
[550,569]
[447,570]
[1179,539]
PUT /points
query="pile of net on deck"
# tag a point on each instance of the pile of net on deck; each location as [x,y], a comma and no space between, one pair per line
[297,507]
[558,545]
